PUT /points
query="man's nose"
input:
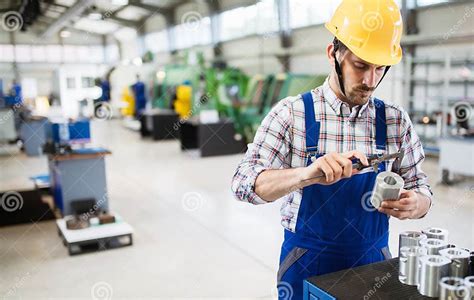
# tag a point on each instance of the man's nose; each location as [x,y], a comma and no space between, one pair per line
[370,77]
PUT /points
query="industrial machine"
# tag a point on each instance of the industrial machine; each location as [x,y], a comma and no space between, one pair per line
[265,92]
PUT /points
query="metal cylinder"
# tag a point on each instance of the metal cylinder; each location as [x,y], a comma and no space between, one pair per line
[432,269]
[388,186]
[469,283]
[471,265]
[453,288]
[433,245]
[410,238]
[408,264]
[459,266]
[436,233]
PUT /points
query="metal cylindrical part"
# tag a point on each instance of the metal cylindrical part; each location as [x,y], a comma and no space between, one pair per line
[410,238]
[436,233]
[453,288]
[459,266]
[469,283]
[432,269]
[471,264]
[408,264]
[388,186]
[433,245]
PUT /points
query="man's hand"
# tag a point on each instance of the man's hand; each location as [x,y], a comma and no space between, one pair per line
[411,205]
[333,166]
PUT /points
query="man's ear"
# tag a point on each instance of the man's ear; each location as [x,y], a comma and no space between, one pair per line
[330,53]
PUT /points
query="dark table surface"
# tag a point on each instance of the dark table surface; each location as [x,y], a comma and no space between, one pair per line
[374,281]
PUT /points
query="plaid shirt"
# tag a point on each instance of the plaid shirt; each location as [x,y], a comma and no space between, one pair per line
[280,143]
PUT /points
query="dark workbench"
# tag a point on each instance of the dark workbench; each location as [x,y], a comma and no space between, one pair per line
[374,281]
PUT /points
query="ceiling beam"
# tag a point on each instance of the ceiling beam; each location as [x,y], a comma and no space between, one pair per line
[75,10]
[149,7]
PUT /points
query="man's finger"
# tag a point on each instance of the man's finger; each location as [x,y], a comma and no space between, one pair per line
[391,204]
[336,168]
[357,154]
[399,214]
[346,165]
[327,170]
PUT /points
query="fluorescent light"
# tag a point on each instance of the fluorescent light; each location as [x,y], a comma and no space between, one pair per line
[65,34]
[95,16]
[119,2]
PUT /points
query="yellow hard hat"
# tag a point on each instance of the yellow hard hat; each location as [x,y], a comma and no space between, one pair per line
[371,29]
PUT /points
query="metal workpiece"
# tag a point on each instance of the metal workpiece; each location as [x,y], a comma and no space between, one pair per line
[410,238]
[453,288]
[432,269]
[471,264]
[469,283]
[436,233]
[408,264]
[433,246]
[388,186]
[459,266]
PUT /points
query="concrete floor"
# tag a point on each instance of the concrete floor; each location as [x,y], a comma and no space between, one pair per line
[191,240]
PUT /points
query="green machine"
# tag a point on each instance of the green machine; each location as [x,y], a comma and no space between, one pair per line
[267,91]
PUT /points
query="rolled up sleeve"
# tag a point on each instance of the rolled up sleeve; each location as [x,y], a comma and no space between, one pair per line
[270,149]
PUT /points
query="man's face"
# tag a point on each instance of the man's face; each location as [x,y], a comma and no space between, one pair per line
[360,77]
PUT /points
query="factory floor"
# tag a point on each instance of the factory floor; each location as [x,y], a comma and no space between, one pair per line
[191,239]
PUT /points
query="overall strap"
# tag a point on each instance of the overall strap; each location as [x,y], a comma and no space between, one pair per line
[380,125]
[312,126]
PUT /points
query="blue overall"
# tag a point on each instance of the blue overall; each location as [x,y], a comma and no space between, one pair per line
[140,97]
[334,229]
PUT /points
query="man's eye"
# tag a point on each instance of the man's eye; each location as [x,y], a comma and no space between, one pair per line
[359,66]
[380,68]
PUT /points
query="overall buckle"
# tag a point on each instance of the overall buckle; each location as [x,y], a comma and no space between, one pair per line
[311,153]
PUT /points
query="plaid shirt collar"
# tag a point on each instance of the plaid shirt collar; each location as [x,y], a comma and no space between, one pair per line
[340,107]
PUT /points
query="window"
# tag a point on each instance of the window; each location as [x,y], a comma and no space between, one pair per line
[96,54]
[69,54]
[308,12]
[87,82]
[193,33]
[112,53]
[71,82]
[156,41]
[38,53]
[259,18]
[237,22]
[7,53]
[267,16]
[22,53]
[53,53]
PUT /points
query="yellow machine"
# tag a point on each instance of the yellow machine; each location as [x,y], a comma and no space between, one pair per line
[128,110]
[182,104]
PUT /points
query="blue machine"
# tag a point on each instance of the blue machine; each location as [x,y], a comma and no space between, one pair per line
[78,132]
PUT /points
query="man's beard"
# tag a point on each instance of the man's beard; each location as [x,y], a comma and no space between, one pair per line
[360,94]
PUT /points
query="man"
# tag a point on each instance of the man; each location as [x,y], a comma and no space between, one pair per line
[328,224]
[139,92]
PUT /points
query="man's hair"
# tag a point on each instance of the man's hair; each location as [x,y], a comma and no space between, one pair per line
[339,46]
